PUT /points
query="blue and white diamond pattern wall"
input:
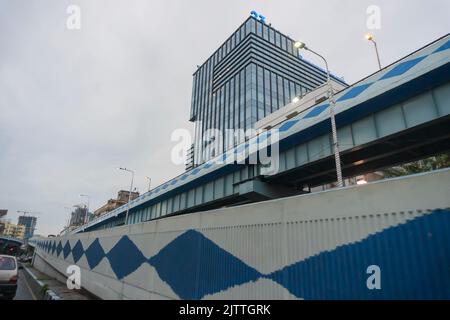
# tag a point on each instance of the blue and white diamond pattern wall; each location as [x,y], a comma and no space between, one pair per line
[402,68]
[354,92]
[195,267]
[67,249]
[125,257]
[59,248]
[77,251]
[304,277]
[444,47]
[316,111]
[94,254]
[203,267]
[288,125]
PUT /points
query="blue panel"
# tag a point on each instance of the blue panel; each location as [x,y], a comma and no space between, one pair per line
[194,266]
[59,249]
[94,254]
[125,257]
[316,111]
[402,68]
[77,251]
[287,125]
[443,47]
[208,165]
[67,249]
[354,92]
[414,259]
[423,275]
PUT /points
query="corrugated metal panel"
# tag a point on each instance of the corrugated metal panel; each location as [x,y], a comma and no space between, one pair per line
[317,246]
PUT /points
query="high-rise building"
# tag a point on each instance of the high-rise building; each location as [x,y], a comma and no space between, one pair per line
[78,216]
[255,72]
[29,222]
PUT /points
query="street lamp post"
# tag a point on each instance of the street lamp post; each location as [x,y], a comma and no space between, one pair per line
[131,190]
[337,157]
[371,38]
[87,209]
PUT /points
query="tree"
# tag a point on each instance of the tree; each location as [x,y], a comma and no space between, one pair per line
[440,161]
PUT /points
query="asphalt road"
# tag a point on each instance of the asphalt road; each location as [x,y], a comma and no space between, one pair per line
[23,288]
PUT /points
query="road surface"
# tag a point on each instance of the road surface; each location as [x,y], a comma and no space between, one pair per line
[23,288]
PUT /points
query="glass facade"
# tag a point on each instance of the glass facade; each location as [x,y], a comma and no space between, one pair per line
[254,73]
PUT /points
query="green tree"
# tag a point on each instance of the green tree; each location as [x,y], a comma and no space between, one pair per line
[440,161]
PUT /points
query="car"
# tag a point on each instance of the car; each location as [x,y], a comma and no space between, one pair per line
[8,277]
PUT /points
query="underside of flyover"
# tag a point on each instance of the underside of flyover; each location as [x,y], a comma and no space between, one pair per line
[409,145]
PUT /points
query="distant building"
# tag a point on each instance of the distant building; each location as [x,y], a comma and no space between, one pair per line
[13,230]
[78,216]
[122,198]
[2,223]
[3,213]
[29,222]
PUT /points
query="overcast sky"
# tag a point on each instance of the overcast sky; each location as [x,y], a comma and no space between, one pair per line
[75,105]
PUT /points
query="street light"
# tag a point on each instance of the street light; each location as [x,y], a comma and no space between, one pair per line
[149,182]
[370,38]
[337,157]
[87,209]
[131,189]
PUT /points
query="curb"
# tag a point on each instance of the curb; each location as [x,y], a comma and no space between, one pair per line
[39,288]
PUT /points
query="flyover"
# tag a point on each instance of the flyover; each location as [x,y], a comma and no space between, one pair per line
[398,114]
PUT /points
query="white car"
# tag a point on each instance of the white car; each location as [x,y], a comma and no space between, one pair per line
[8,277]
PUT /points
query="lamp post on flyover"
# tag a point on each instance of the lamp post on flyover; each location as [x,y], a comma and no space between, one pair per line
[337,157]
[131,189]
[371,38]
[87,209]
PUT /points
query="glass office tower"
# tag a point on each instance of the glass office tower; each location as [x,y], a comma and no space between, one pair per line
[254,73]
[30,224]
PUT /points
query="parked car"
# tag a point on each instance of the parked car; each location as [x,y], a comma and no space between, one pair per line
[8,276]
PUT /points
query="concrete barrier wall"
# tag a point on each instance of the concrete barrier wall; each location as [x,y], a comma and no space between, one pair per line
[386,240]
